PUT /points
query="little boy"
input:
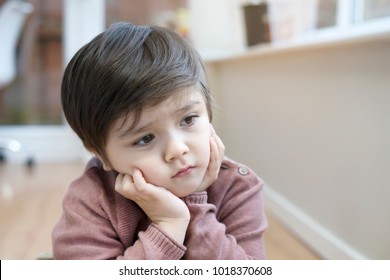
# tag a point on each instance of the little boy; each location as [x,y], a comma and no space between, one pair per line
[159,186]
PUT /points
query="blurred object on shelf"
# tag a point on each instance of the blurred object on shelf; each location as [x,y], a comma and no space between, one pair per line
[256,24]
[183,22]
[292,19]
[176,20]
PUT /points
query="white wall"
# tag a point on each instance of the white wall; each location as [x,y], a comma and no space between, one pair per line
[315,124]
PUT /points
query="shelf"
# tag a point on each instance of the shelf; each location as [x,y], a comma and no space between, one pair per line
[373,30]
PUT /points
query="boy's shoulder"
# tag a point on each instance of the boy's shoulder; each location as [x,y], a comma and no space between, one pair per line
[93,188]
[232,170]
[236,182]
[95,177]
[92,163]
[231,165]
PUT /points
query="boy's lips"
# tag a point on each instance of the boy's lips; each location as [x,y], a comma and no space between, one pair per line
[184,171]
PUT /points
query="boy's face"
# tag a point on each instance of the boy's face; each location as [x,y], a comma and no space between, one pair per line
[170,144]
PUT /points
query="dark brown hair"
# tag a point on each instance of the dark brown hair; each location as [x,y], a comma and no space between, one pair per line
[122,71]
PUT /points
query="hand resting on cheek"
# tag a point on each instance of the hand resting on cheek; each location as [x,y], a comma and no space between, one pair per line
[217,151]
[161,206]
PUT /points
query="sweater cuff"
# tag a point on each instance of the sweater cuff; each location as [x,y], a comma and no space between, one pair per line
[196,198]
[163,243]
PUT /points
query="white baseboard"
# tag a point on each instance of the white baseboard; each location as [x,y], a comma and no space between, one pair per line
[321,240]
[42,143]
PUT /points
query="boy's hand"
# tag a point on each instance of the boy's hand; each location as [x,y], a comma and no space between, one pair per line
[217,151]
[161,206]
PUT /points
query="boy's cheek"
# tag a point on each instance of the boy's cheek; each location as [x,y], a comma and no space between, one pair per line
[125,171]
[149,175]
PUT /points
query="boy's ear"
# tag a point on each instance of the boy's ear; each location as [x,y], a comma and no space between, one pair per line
[106,166]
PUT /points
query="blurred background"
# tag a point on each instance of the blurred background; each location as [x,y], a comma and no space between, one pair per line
[302,88]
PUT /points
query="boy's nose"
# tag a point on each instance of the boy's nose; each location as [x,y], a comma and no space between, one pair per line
[175,148]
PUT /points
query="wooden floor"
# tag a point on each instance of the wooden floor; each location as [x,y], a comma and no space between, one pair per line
[30,205]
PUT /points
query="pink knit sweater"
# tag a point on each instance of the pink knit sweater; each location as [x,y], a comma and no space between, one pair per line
[227,220]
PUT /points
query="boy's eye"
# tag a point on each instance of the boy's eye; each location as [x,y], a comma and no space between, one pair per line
[144,140]
[189,120]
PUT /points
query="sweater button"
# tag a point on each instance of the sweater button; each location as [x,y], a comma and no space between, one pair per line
[243,171]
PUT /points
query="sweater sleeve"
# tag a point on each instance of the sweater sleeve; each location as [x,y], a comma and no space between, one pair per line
[153,245]
[88,229]
[232,228]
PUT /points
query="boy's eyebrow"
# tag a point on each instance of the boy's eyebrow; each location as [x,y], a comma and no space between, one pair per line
[188,106]
[136,130]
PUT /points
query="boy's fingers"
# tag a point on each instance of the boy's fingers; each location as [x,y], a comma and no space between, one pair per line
[214,152]
[220,145]
[218,141]
[215,163]
[119,182]
[118,179]
[125,186]
[139,181]
[137,177]
[144,189]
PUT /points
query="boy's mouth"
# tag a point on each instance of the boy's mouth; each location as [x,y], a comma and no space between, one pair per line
[184,171]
